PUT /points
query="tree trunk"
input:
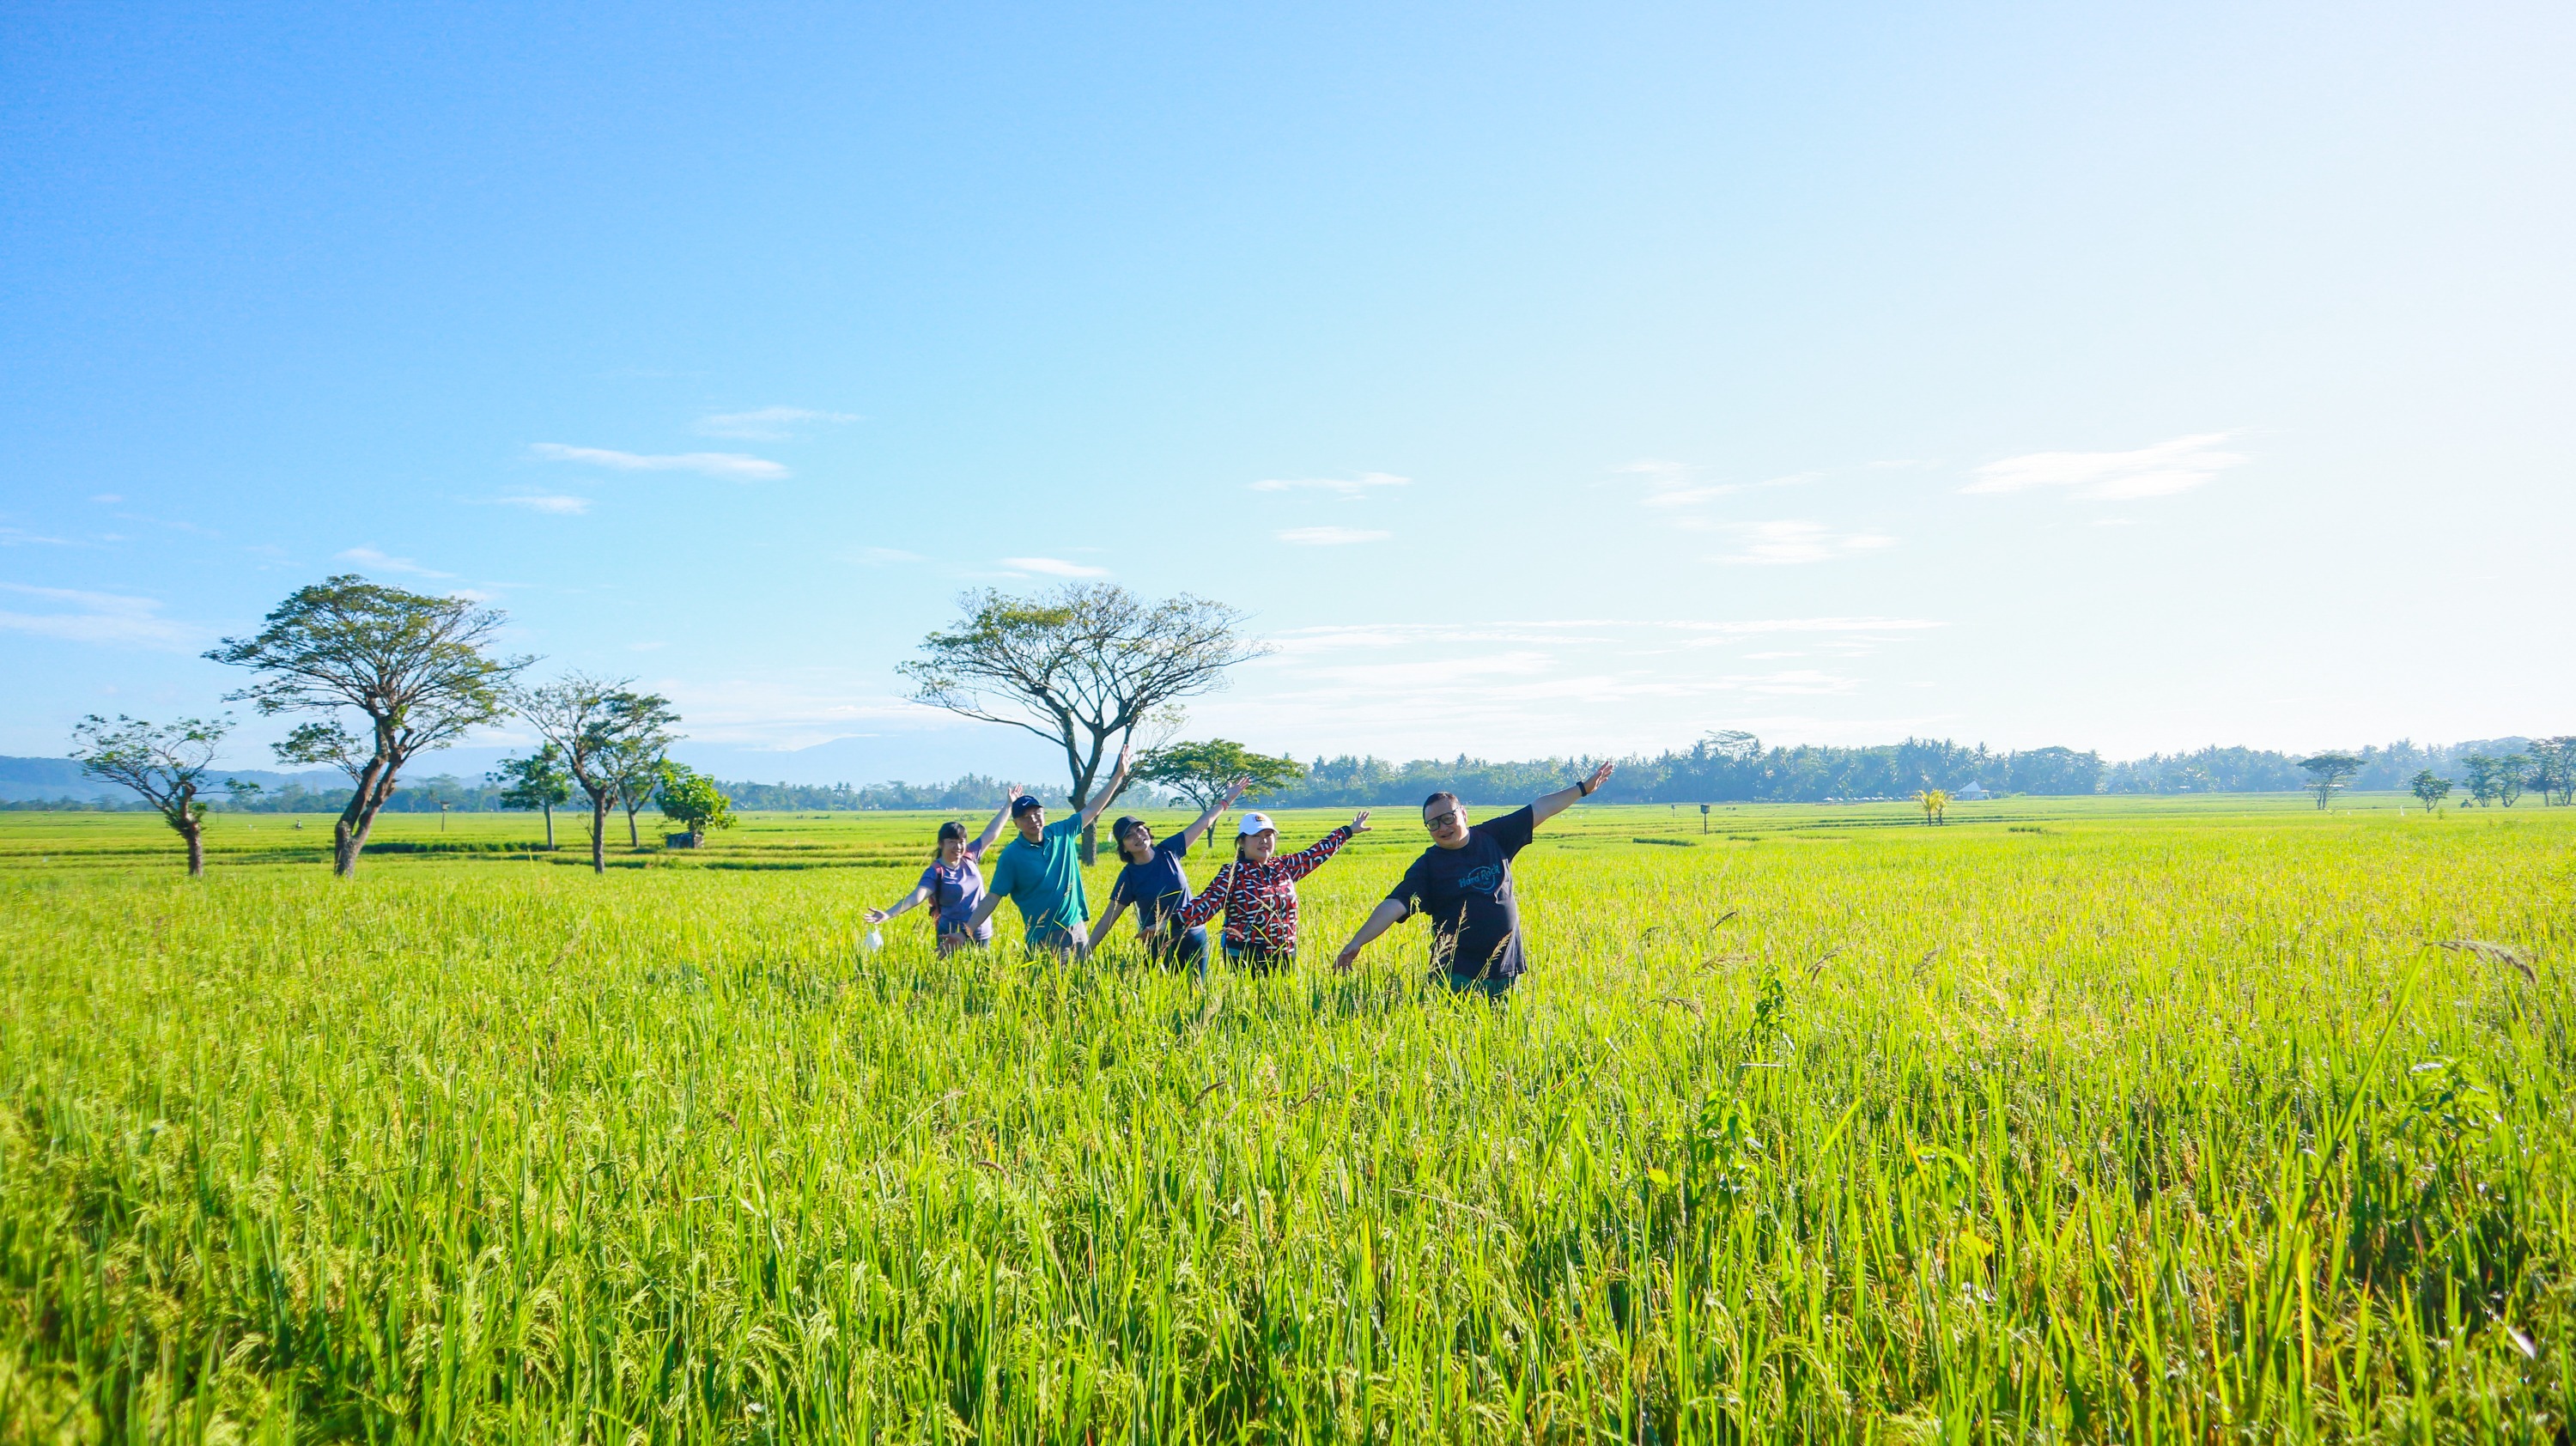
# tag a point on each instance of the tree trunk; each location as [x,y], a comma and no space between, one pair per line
[196,837]
[634,840]
[550,827]
[349,834]
[1090,843]
[599,834]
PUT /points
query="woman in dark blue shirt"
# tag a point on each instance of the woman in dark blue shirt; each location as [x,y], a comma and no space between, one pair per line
[1154,881]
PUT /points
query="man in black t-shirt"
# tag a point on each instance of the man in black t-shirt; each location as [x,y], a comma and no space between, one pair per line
[1464,882]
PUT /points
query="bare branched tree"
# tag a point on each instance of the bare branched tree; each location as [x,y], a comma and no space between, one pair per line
[166,763]
[1082,667]
[596,726]
[417,668]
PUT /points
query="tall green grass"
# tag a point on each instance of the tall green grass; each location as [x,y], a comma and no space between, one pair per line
[2168,1126]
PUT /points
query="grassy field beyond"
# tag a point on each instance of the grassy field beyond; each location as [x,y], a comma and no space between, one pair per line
[2074,1119]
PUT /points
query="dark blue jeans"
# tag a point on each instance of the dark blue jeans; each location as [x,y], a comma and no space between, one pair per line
[1495,987]
[1186,949]
[1254,959]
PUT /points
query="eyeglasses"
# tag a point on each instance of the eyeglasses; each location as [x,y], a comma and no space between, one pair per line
[1437,820]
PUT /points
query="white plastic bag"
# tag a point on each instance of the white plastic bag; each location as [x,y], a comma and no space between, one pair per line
[873,942]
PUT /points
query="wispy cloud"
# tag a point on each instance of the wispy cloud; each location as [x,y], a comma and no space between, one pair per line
[1346,486]
[766,424]
[1592,634]
[1675,484]
[113,619]
[1787,542]
[370,557]
[107,498]
[1332,536]
[730,466]
[21,537]
[887,555]
[2158,471]
[1053,567]
[555,502]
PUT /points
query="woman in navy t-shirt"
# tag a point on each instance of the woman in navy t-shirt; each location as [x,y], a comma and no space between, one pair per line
[953,884]
[1155,884]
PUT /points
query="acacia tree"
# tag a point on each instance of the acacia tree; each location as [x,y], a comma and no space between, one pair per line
[637,764]
[537,781]
[2328,772]
[166,763]
[2512,776]
[593,723]
[2553,767]
[417,668]
[1205,772]
[2430,788]
[1081,667]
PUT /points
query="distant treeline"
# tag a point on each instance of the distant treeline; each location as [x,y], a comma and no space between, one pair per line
[1723,768]
[1735,768]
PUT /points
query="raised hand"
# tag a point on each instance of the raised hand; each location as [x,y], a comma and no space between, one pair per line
[1359,821]
[1600,776]
[1235,789]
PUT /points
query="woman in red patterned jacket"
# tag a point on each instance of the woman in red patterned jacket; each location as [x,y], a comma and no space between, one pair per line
[1258,893]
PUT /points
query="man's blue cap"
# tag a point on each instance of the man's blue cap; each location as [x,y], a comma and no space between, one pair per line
[1025,803]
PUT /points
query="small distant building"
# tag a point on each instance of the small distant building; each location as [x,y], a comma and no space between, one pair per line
[1971,793]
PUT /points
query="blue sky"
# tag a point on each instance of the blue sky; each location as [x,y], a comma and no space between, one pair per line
[1543,380]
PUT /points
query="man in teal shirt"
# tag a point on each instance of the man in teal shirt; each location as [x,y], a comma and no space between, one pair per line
[1041,871]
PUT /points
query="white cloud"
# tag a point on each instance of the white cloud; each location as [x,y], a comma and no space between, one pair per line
[20,537]
[553,502]
[1675,484]
[1053,567]
[731,466]
[874,555]
[765,424]
[114,619]
[1346,486]
[369,557]
[1788,542]
[108,498]
[1332,536]
[1594,634]
[2158,471]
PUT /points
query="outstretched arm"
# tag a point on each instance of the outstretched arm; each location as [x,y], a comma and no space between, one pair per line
[983,911]
[1385,916]
[1100,927]
[1100,801]
[1550,805]
[993,830]
[1305,861]
[1216,810]
[920,893]
[1210,899]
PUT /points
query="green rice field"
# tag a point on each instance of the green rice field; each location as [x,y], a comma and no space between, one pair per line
[2205,1119]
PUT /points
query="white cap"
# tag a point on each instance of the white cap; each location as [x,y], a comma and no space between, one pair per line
[1254,823]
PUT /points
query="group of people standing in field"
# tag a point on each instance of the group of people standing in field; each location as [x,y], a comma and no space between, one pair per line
[1462,884]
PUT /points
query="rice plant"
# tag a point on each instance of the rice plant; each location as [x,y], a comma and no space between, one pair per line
[2207,1121]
